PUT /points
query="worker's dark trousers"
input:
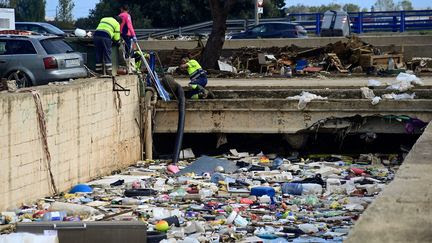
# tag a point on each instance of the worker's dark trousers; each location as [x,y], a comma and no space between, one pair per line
[197,86]
[128,45]
[103,54]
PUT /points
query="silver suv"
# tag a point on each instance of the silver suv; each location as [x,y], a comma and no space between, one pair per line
[38,60]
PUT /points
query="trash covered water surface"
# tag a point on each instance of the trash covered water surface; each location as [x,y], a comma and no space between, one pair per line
[235,197]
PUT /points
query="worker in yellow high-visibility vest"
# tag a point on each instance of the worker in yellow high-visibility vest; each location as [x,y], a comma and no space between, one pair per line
[198,77]
[107,32]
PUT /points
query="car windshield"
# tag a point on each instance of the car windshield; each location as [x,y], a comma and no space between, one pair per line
[56,46]
[21,27]
[53,29]
[258,29]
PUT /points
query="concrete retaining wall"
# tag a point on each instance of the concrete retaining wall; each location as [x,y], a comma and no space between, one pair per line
[91,132]
[402,212]
[402,40]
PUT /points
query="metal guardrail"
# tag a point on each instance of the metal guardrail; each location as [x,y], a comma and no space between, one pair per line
[361,22]
[233,25]
[196,29]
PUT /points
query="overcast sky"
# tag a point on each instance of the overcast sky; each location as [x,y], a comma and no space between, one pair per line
[82,7]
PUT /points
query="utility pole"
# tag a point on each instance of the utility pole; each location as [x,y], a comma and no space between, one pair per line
[256,13]
[258,10]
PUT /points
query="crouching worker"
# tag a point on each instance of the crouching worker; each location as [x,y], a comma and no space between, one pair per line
[107,31]
[197,76]
[137,56]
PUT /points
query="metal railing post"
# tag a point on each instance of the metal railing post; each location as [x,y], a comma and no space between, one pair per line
[318,24]
[402,21]
[394,24]
[360,23]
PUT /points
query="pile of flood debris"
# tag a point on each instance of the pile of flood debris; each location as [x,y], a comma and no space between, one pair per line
[351,56]
[345,57]
[9,85]
[236,197]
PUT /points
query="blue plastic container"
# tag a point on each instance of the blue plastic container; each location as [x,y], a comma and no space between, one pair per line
[263,190]
[292,188]
[83,188]
[277,163]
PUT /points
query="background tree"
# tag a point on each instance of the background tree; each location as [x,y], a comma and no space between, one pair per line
[406,5]
[219,12]
[12,3]
[385,5]
[155,13]
[4,3]
[272,9]
[324,8]
[64,11]
[299,8]
[28,10]
[350,7]
[171,14]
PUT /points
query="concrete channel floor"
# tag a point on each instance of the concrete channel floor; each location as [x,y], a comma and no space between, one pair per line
[299,82]
[403,212]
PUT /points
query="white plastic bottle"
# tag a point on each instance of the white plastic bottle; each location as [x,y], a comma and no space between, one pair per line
[311,188]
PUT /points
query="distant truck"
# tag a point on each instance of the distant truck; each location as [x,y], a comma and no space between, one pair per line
[335,23]
[7,19]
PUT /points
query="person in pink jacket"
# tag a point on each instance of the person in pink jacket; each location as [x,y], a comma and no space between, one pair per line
[127,30]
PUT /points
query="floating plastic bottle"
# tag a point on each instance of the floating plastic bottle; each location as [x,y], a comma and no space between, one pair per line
[54,216]
[301,188]
[292,188]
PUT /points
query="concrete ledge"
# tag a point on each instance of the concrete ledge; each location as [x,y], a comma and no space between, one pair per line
[276,115]
[403,212]
[91,131]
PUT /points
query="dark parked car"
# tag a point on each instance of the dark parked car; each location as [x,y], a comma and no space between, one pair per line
[272,30]
[39,27]
[38,59]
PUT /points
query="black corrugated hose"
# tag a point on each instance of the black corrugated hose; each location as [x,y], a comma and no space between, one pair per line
[176,89]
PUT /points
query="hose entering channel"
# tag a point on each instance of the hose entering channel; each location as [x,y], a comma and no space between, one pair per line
[172,86]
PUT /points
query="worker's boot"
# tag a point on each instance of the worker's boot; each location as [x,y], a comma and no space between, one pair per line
[210,94]
[107,71]
[203,93]
[99,69]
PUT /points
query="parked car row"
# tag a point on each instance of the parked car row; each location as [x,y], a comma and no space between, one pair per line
[38,59]
[272,30]
[39,27]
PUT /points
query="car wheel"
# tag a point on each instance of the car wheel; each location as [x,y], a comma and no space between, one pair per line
[22,80]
